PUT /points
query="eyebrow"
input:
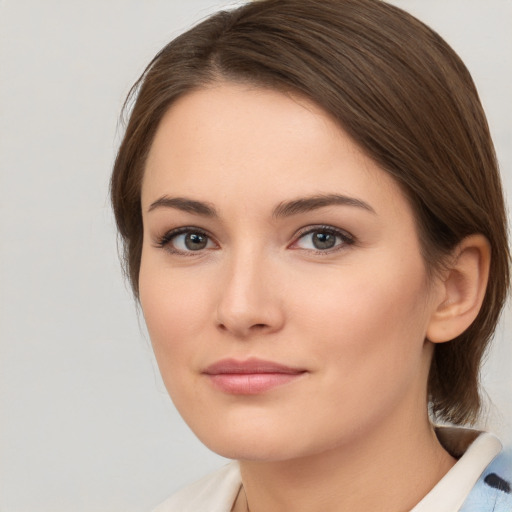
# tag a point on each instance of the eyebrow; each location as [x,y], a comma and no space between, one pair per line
[185,205]
[284,209]
[307,204]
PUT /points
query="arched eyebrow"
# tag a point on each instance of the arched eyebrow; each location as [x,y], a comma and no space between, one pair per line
[284,209]
[307,204]
[185,205]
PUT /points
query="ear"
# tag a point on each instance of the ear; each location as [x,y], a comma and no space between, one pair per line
[462,289]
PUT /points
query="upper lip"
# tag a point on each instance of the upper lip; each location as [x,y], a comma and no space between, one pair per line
[249,366]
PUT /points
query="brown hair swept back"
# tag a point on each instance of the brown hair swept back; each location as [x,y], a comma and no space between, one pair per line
[400,92]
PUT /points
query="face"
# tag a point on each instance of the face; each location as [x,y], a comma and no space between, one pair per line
[281,278]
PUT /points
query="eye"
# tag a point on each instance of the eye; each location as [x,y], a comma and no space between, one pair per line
[323,239]
[185,240]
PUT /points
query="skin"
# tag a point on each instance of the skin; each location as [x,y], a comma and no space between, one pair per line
[353,318]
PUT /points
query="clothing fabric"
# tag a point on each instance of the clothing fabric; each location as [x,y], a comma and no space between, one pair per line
[480,481]
[492,492]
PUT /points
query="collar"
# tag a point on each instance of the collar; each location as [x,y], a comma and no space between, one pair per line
[475,451]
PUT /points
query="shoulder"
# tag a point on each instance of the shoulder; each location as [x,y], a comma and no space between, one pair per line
[493,491]
[214,493]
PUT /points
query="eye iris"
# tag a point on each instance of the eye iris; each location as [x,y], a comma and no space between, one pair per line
[195,241]
[323,240]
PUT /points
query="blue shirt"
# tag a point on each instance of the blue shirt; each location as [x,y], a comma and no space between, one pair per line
[493,491]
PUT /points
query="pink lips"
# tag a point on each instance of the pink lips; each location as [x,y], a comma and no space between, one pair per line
[249,377]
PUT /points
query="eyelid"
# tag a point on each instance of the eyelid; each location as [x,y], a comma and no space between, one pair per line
[164,241]
[346,237]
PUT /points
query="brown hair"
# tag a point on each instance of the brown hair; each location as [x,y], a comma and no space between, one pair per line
[397,89]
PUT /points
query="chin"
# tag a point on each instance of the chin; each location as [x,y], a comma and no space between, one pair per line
[258,450]
[261,442]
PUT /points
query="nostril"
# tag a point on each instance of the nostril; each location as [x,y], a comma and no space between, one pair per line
[252,328]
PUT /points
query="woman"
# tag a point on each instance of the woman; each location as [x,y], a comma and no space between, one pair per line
[314,226]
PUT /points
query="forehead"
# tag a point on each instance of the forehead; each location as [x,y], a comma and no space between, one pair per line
[257,145]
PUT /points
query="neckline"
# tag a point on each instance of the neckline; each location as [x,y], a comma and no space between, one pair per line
[474,450]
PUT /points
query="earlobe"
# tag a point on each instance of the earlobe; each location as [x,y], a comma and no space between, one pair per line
[462,290]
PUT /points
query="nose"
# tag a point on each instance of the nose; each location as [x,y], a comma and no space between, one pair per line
[250,299]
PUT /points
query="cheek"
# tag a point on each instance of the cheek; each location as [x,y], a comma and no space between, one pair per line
[174,310]
[372,323]
[363,299]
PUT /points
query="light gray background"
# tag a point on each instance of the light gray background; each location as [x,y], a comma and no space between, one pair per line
[85,423]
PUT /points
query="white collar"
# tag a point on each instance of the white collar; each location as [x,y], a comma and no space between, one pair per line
[217,492]
[476,451]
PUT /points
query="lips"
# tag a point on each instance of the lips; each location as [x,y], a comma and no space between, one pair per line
[250,377]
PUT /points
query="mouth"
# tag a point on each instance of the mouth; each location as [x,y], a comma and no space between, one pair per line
[250,377]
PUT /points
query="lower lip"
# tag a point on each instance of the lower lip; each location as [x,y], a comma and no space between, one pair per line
[250,383]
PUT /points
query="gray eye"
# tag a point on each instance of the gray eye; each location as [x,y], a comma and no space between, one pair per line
[187,241]
[195,241]
[323,240]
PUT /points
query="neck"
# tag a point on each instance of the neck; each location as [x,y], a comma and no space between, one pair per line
[360,475]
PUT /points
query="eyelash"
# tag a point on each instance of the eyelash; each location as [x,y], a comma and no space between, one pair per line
[345,237]
[164,242]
